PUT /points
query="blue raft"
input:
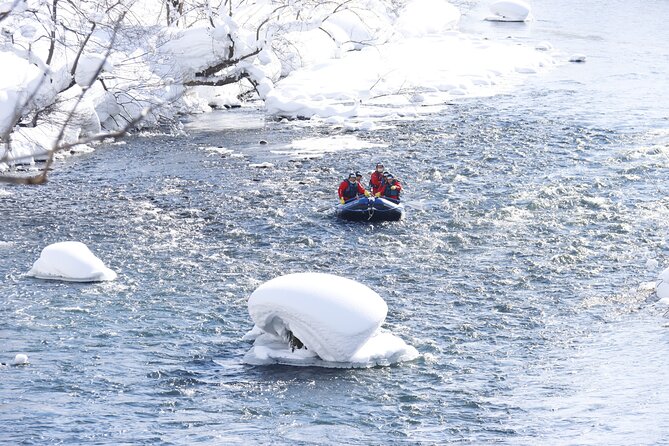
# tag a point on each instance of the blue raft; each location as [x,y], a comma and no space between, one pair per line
[370,209]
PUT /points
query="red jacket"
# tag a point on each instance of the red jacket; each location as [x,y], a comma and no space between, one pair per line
[375,181]
[346,190]
[387,187]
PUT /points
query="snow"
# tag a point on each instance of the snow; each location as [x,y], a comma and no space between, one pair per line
[88,67]
[662,285]
[70,261]
[510,11]
[428,62]
[348,68]
[20,359]
[424,17]
[337,319]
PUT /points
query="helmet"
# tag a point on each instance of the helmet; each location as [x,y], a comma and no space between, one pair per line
[385,174]
[352,174]
[390,176]
[358,174]
[379,165]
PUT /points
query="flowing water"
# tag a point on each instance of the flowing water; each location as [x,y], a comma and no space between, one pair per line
[534,219]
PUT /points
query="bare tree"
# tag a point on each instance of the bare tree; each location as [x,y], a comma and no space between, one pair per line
[146,60]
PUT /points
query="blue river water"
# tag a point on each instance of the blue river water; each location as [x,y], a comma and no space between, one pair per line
[534,219]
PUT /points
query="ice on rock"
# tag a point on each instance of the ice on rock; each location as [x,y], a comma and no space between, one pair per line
[510,11]
[70,261]
[577,58]
[335,318]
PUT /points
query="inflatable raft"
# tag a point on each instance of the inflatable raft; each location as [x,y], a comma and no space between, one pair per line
[370,209]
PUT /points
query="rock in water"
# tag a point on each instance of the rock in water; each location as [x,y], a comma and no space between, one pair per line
[20,359]
[332,316]
[70,261]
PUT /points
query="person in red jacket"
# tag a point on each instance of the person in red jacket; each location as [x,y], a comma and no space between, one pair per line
[376,179]
[349,189]
[391,189]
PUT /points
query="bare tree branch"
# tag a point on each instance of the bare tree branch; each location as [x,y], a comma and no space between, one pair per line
[225,64]
[41,178]
[81,50]
[218,81]
[6,14]
[52,36]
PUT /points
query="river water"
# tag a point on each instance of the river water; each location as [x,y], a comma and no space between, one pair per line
[534,220]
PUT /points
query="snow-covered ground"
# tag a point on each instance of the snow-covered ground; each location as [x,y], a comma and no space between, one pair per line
[348,65]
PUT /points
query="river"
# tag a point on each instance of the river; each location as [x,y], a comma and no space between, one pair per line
[534,220]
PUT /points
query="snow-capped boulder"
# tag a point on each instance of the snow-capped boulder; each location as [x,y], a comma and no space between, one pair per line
[509,11]
[70,261]
[335,319]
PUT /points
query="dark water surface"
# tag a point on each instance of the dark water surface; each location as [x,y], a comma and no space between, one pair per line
[534,219]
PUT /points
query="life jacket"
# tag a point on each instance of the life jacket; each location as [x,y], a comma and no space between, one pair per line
[351,190]
[390,193]
[376,181]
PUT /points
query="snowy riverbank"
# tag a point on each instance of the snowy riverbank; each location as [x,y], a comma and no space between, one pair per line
[362,61]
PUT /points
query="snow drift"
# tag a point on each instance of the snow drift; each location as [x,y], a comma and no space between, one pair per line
[70,261]
[335,318]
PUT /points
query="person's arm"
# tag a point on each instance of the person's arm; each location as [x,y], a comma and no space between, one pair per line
[340,191]
[398,186]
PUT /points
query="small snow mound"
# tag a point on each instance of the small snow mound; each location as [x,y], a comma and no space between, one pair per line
[70,261]
[510,11]
[577,58]
[20,359]
[335,321]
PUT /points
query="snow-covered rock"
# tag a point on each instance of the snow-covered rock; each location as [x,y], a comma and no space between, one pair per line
[510,11]
[337,319]
[20,359]
[578,58]
[70,261]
